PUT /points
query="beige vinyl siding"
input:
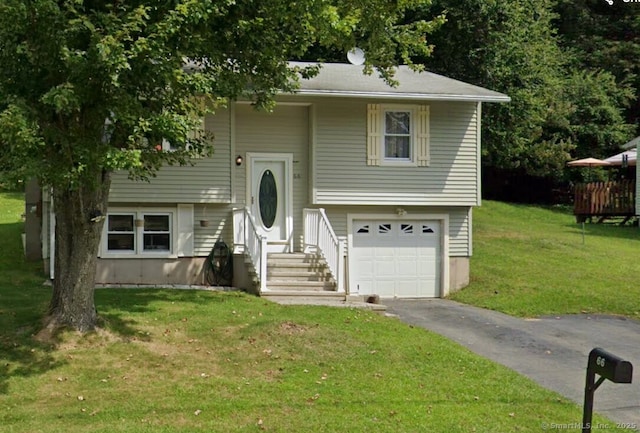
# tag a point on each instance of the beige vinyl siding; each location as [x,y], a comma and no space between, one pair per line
[220,219]
[342,175]
[285,130]
[209,180]
[459,221]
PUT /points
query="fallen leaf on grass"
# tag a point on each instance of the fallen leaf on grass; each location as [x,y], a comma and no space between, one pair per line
[197,412]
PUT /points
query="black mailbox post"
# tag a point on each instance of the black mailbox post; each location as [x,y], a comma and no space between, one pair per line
[607,366]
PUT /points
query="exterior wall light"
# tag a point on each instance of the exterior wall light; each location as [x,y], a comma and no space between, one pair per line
[239,160]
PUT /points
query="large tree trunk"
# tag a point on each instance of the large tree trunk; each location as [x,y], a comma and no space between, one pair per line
[77,239]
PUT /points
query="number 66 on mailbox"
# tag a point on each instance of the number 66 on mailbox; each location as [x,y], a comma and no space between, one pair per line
[610,366]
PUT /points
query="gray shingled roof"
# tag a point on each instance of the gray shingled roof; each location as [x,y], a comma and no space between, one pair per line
[339,79]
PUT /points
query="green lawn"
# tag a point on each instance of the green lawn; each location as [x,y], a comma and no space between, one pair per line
[195,361]
[530,261]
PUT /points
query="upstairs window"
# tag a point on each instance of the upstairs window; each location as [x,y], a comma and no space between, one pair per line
[398,135]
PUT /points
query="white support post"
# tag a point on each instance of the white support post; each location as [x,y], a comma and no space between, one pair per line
[340,276]
[263,263]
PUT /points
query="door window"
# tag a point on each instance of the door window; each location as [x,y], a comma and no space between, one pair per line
[268,199]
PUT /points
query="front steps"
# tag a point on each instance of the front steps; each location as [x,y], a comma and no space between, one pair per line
[299,276]
[298,272]
[305,279]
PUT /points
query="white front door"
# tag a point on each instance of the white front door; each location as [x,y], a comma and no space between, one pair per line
[269,194]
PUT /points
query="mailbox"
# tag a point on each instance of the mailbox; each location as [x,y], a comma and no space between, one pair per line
[609,366]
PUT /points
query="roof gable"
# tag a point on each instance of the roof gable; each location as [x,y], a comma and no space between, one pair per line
[347,80]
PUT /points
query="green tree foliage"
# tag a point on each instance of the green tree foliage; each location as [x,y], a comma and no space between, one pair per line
[604,37]
[93,86]
[559,108]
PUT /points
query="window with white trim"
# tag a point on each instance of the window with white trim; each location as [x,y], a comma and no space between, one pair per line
[144,232]
[398,135]
[121,235]
[156,233]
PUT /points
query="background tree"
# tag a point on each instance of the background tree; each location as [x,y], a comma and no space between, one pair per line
[93,86]
[606,39]
[561,104]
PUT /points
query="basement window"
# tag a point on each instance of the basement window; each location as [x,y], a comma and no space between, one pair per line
[141,233]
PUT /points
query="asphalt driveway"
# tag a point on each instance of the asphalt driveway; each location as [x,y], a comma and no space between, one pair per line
[552,351]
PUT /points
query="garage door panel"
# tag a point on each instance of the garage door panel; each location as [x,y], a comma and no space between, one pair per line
[385,269]
[396,259]
[407,290]
[385,288]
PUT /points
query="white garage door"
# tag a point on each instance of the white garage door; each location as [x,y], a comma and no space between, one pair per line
[395,258]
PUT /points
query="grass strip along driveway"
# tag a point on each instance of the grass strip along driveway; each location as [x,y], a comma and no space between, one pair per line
[198,361]
[530,261]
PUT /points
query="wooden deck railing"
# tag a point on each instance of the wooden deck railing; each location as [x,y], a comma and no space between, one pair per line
[605,199]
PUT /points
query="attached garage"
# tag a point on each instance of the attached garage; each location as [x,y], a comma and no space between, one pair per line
[396,257]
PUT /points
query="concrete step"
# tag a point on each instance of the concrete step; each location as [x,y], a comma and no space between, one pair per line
[303,296]
[331,299]
[309,286]
[291,264]
[295,259]
[288,275]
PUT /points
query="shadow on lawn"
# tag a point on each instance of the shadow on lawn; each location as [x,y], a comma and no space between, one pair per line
[21,354]
[24,299]
[120,309]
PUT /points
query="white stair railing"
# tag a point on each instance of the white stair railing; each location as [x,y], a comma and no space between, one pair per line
[253,244]
[319,235]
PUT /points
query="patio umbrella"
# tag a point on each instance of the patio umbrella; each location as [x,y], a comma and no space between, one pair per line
[588,162]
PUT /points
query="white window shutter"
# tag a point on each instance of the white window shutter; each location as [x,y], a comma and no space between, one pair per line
[422,134]
[374,129]
[184,237]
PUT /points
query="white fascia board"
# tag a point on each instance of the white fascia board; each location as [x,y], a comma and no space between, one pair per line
[411,96]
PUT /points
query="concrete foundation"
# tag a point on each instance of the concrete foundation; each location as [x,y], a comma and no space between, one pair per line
[151,271]
[458,273]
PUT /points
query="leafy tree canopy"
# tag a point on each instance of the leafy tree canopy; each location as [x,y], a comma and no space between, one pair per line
[561,106]
[93,86]
[69,66]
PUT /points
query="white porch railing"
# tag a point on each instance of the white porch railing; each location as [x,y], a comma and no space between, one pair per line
[253,244]
[319,235]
